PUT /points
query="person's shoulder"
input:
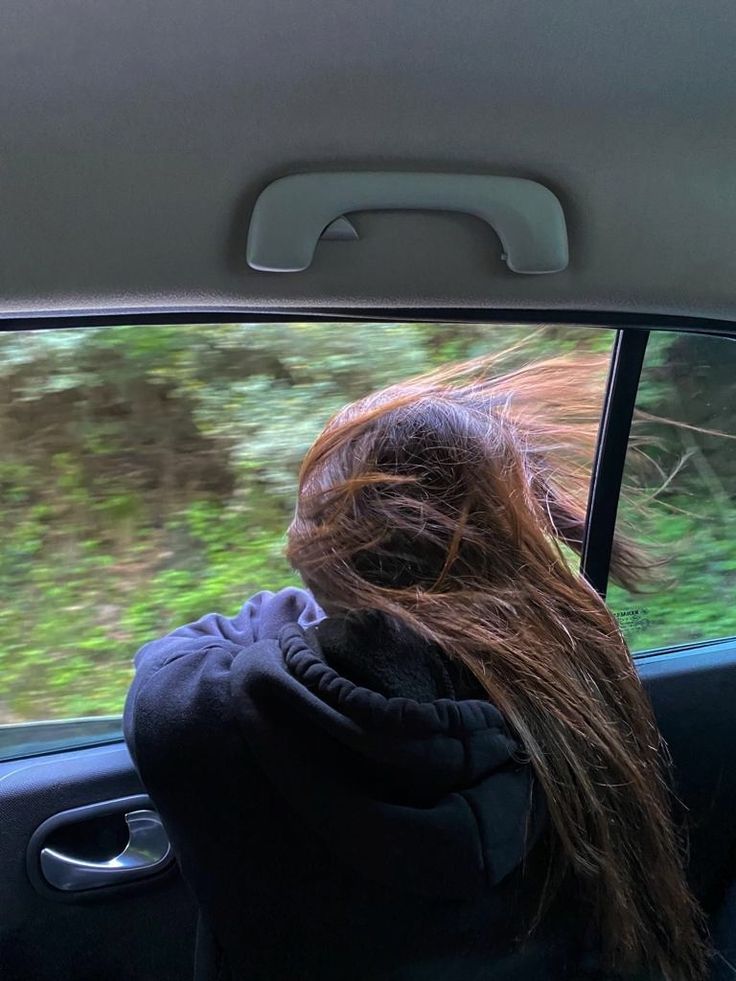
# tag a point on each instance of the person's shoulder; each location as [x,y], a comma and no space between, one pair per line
[262,616]
[183,680]
[179,696]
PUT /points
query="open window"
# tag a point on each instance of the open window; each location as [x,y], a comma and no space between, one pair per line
[148,475]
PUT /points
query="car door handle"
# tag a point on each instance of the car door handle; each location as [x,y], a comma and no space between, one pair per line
[146,852]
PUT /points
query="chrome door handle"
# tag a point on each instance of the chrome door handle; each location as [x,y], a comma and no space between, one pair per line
[147,851]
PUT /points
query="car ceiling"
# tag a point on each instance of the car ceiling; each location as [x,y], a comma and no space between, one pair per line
[135,138]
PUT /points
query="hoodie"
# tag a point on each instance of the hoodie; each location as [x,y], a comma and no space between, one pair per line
[343,802]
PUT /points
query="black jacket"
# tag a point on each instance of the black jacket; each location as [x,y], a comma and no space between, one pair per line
[343,803]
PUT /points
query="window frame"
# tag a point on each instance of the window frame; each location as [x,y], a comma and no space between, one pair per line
[619,400]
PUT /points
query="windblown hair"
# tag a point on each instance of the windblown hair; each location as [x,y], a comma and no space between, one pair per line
[448,502]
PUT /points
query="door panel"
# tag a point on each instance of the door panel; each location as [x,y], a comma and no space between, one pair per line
[694,692]
[146,930]
[142,930]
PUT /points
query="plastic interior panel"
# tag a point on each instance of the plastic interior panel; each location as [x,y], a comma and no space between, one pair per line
[693,692]
[144,930]
[137,138]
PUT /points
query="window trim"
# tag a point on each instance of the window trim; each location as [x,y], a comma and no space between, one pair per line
[41,737]
[176,316]
[627,360]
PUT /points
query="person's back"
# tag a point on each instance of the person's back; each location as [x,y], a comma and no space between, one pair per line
[377,829]
[448,770]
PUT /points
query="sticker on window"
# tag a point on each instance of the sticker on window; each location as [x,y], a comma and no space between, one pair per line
[633,619]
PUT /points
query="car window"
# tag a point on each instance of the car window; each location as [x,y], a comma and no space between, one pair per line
[147,476]
[681,499]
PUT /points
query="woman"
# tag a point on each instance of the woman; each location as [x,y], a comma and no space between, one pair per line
[448,768]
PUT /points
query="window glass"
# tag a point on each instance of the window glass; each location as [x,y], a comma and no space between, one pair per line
[147,476]
[681,501]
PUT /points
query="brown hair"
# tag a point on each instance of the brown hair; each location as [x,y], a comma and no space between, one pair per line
[447,502]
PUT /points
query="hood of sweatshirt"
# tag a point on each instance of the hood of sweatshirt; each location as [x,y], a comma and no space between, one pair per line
[406,780]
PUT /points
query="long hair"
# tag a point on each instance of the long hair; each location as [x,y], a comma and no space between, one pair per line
[450,503]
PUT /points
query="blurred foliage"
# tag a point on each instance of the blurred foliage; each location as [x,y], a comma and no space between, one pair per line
[147,476]
[687,519]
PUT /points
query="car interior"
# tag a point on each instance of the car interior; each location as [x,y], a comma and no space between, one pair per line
[219,222]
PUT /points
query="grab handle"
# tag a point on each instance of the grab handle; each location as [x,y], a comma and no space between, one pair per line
[291,214]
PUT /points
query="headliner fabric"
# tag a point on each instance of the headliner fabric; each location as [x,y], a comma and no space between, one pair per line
[136,138]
